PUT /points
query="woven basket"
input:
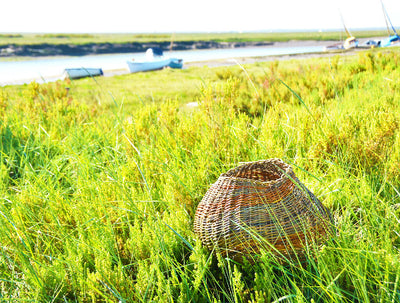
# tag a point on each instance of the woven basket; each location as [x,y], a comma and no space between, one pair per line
[261,204]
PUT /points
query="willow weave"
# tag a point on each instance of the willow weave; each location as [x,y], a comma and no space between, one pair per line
[261,204]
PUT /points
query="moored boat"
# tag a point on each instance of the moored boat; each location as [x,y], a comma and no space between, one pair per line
[155,60]
[390,41]
[369,44]
[144,66]
[338,47]
[350,42]
[82,72]
[176,63]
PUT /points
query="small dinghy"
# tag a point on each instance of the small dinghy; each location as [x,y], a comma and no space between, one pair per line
[155,60]
[77,73]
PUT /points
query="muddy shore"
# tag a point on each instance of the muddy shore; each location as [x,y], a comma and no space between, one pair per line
[47,50]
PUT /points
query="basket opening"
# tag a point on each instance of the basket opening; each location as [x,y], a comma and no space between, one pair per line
[260,171]
[263,176]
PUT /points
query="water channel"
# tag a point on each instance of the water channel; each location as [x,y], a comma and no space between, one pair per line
[51,69]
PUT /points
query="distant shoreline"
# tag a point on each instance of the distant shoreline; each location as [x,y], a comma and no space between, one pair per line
[51,50]
[45,50]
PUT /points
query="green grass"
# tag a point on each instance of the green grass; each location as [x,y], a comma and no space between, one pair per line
[33,38]
[100,180]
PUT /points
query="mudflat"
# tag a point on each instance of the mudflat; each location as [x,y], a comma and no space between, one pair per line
[47,49]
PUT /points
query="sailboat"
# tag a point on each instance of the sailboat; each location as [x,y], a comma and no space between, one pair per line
[349,43]
[392,39]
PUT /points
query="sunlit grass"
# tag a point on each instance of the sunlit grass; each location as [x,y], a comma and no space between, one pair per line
[100,180]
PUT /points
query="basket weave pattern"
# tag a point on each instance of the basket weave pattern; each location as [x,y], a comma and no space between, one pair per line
[260,203]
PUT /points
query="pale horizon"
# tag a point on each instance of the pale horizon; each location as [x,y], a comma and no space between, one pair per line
[119,16]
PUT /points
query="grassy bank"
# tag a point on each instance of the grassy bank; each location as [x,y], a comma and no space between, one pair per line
[100,179]
[26,39]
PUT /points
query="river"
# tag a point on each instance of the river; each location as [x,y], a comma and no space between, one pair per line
[51,69]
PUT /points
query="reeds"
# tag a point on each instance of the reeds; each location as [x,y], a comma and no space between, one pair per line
[98,199]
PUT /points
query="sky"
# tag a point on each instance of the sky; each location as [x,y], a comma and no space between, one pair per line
[121,16]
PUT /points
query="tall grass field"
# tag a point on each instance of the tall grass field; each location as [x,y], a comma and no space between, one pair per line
[100,179]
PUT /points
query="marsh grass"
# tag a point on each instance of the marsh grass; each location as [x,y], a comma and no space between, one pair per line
[36,38]
[100,182]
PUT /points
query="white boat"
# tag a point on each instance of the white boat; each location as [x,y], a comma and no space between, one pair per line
[369,44]
[155,60]
[350,42]
[338,47]
[77,73]
[144,66]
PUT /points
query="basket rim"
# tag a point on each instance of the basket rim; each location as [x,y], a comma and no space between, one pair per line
[286,173]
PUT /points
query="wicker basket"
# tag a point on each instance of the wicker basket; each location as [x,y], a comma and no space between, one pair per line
[261,204]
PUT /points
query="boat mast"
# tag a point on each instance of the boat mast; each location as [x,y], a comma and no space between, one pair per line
[345,28]
[388,19]
[171,45]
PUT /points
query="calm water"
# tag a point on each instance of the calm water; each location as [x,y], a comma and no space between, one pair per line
[44,70]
